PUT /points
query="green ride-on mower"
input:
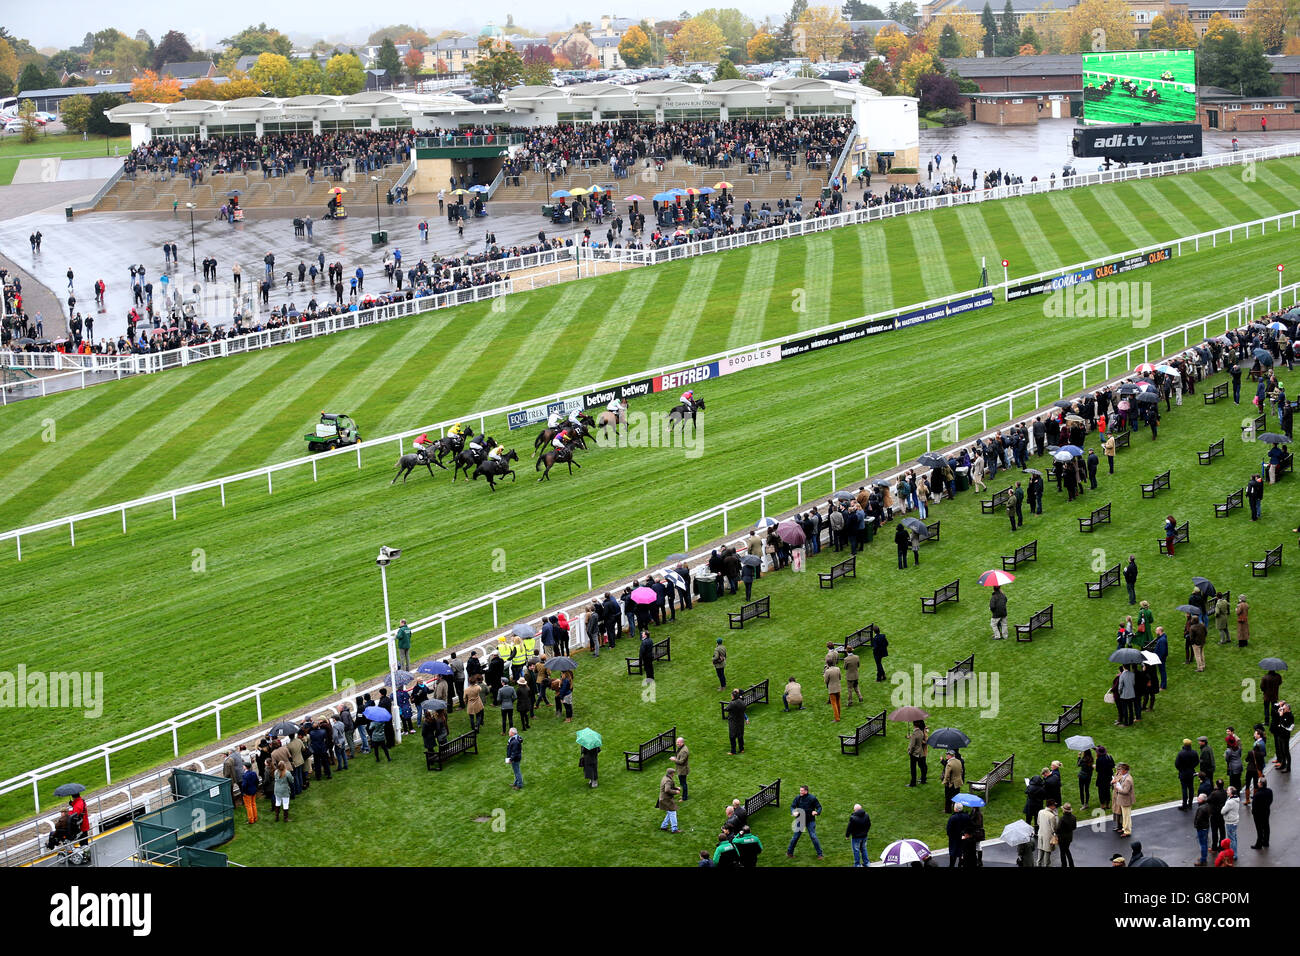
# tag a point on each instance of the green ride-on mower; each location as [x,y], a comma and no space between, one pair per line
[334,431]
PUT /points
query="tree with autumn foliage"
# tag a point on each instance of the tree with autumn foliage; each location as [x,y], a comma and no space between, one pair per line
[697,40]
[1271,21]
[149,87]
[1098,25]
[761,47]
[634,47]
[414,62]
[824,32]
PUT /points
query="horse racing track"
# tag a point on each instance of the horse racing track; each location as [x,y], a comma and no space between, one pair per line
[174,613]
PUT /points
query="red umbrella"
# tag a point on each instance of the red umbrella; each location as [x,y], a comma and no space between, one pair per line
[990,579]
[790,532]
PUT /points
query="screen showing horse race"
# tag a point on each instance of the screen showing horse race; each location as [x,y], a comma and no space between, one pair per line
[1141,86]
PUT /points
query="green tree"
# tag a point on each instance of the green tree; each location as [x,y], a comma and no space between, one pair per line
[98,124]
[949,43]
[389,60]
[877,76]
[1236,65]
[990,24]
[857,10]
[307,77]
[31,78]
[75,112]
[634,47]
[1029,38]
[736,27]
[27,113]
[500,69]
[726,70]
[172,48]
[254,41]
[273,74]
[344,75]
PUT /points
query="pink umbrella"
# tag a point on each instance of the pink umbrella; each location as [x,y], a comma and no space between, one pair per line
[644,595]
[1124,405]
[990,579]
[1145,368]
[790,532]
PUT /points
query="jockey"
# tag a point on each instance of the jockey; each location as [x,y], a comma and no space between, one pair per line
[573,419]
[476,447]
[688,399]
[456,431]
[553,420]
[422,443]
[616,406]
[496,452]
[562,439]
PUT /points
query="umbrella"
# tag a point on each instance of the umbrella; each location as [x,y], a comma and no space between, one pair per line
[1062,456]
[1126,655]
[1033,471]
[903,852]
[1016,833]
[68,789]
[644,595]
[599,189]
[433,703]
[460,192]
[1188,609]
[1273,438]
[948,738]
[790,532]
[285,728]
[1277,326]
[377,714]
[692,191]
[908,714]
[967,800]
[722,185]
[1063,403]
[435,667]
[338,191]
[1124,405]
[523,630]
[635,198]
[1074,418]
[561,664]
[706,191]
[880,483]
[1148,398]
[1074,450]
[233,192]
[1168,370]
[1149,861]
[994,579]
[26,341]
[677,191]
[561,194]
[1264,357]
[933,460]
[578,191]
[401,678]
[1204,586]
[1150,657]
[676,579]
[1272,664]
[1129,389]
[676,557]
[1144,368]
[664,197]
[751,560]
[767,523]
[1079,742]
[588,738]
[843,496]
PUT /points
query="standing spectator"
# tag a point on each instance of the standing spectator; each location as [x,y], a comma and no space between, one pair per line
[248,789]
[523,702]
[857,830]
[1260,813]
[681,759]
[1196,635]
[1270,687]
[1202,824]
[1205,758]
[457,677]
[1243,621]
[1232,817]
[851,663]
[647,655]
[1283,722]
[1065,827]
[1215,801]
[1123,790]
[404,645]
[959,830]
[1084,763]
[589,761]
[1126,696]
[953,779]
[1222,618]
[565,696]
[1130,578]
[998,613]
[474,703]
[379,738]
[283,788]
[1171,528]
[668,801]
[322,741]
[879,650]
[1232,759]
[831,676]
[1046,834]
[901,541]
[736,722]
[804,808]
[719,663]
[1185,762]
[514,757]
[1105,773]
[917,748]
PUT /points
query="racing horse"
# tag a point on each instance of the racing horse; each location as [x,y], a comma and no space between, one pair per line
[579,431]
[494,469]
[608,420]
[448,445]
[468,457]
[553,456]
[679,413]
[408,462]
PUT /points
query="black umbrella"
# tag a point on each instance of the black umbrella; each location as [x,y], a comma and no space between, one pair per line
[1032,471]
[1204,586]
[948,738]
[843,496]
[752,560]
[933,460]
[1129,389]
[285,728]
[1263,356]
[1267,664]
[25,341]
[917,525]
[1053,449]
[42,341]
[72,789]
[880,483]
[1148,398]
[433,703]
[1188,609]
[561,664]
[1063,403]
[1148,861]
[1126,655]
[1272,438]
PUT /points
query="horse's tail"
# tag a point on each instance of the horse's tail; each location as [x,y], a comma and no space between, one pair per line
[538,466]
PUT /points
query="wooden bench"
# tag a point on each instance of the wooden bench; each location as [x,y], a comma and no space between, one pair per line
[760,608]
[1002,770]
[1215,451]
[1040,620]
[660,744]
[1272,559]
[962,670]
[1181,536]
[767,797]
[859,638]
[1219,391]
[929,605]
[1069,715]
[848,568]
[662,652]
[1156,485]
[932,532]
[1286,464]
[1223,508]
[1108,579]
[998,501]
[1026,552]
[755,694]
[874,727]
[465,743]
[1100,516]
[1123,439]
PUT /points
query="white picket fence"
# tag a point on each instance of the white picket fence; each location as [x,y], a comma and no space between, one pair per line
[814,484]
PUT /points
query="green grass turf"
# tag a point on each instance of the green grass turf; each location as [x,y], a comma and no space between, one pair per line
[134,607]
[64,145]
[1033,680]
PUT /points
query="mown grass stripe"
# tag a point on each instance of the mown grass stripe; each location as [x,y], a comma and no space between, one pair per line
[873,255]
[980,241]
[1209,213]
[819,277]
[901,250]
[546,365]
[1177,224]
[1244,200]
[1033,227]
[1287,189]
[692,299]
[931,257]
[620,320]
[755,294]
[1009,244]
[1122,211]
[1077,225]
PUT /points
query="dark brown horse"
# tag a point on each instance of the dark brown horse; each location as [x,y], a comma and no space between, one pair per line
[553,456]
[407,463]
[492,469]
[680,412]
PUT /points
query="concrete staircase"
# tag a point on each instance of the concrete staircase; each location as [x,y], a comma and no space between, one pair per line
[148,194]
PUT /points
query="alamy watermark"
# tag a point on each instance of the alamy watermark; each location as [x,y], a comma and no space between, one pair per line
[1100,300]
[655,430]
[75,690]
[976,690]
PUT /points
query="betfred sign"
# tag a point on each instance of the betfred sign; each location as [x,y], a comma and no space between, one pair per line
[686,377]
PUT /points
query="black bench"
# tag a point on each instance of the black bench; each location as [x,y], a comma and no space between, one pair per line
[999,500]
[859,638]
[660,744]
[932,532]
[465,743]
[1026,552]
[1219,391]
[1181,536]
[1100,516]
[848,568]
[1157,484]
[1122,439]
[1069,715]
[1272,559]
[1255,426]
[662,652]
[1223,508]
[962,670]
[1002,770]
[747,612]
[874,727]
[1215,451]
[946,593]
[1286,464]
[755,694]
[767,797]
[1108,579]
[1041,619]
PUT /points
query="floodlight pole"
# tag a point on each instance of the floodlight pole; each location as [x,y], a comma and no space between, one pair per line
[391,645]
[194,262]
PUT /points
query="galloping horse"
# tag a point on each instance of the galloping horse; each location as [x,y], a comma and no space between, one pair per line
[449,445]
[679,413]
[492,469]
[468,457]
[414,460]
[554,456]
[579,431]
[608,419]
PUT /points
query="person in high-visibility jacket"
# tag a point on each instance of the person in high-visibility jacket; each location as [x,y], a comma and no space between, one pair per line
[530,648]
[518,657]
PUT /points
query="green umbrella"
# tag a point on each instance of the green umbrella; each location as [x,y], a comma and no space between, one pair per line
[588,738]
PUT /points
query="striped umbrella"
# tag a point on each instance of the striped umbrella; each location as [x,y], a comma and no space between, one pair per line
[722,185]
[1145,368]
[903,852]
[635,198]
[990,579]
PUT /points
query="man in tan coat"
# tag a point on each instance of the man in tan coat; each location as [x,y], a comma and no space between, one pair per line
[668,800]
[916,751]
[1243,621]
[851,675]
[832,678]
[1123,789]
[832,655]
[754,545]
[681,759]
[793,694]
[1046,834]
[954,778]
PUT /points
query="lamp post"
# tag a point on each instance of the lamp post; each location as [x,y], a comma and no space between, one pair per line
[386,556]
[375,180]
[194,262]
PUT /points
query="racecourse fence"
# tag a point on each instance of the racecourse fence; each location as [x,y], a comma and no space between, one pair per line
[575,255]
[19,842]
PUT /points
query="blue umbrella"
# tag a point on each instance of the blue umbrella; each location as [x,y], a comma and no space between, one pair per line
[402,677]
[434,667]
[678,191]
[706,190]
[659,197]
[561,194]
[478,189]
[377,714]
[1074,450]
[968,800]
